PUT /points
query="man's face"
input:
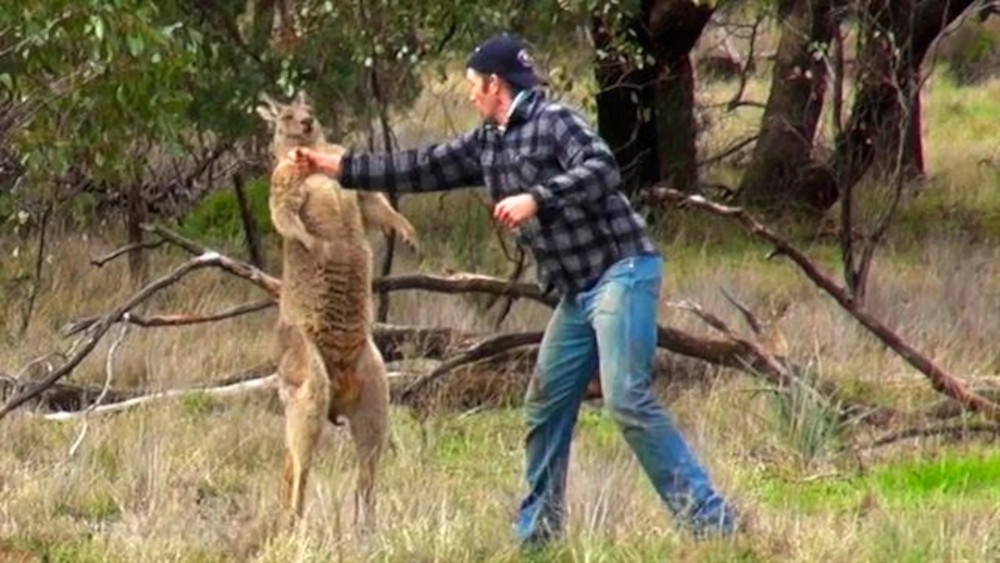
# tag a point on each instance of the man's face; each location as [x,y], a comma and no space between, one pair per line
[484,93]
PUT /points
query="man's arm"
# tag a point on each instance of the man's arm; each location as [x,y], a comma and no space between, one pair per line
[444,166]
[591,172]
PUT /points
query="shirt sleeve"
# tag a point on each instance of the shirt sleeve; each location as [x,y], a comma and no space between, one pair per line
[591,172]
[436,167]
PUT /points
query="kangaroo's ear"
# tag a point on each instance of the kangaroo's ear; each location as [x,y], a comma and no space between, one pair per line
[268,111]
[303,99]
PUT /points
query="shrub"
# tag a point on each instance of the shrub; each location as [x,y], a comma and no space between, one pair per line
[216,218]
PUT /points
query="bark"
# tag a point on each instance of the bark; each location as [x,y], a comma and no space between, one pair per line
[793,107]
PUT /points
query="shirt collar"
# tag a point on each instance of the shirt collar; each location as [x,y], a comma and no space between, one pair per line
[515,106]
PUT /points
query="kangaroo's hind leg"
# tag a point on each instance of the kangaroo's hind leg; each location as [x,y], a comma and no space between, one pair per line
[306,394]
[369,424]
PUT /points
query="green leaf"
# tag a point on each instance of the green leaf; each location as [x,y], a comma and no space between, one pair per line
[135,44]
[97,25]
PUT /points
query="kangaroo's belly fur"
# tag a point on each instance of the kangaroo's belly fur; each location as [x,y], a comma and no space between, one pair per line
[326,293]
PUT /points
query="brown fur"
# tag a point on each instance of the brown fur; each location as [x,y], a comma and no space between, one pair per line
[329,366]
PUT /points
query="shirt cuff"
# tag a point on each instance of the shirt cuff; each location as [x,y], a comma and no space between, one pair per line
[346,178]
[548,203]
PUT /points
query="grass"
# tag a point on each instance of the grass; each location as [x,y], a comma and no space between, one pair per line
[196,479]
[954,478]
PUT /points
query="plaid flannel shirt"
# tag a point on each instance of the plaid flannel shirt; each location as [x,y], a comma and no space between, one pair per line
[584,223]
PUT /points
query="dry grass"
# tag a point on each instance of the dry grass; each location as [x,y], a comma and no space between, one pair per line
[195,479]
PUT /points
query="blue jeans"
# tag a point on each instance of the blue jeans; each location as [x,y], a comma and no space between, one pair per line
[611,327]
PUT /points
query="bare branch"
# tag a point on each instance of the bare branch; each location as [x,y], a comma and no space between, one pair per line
[176,319]
[941,380]
[36,282]
[108,376]
[730,150]
[100,261]
[102,326]
[959,430]
[260,383]
[238,268]
[774,370]
[464,283]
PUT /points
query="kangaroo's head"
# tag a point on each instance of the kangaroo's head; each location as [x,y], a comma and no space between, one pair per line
[293,124]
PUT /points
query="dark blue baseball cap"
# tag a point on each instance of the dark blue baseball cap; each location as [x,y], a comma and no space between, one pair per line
[507,57]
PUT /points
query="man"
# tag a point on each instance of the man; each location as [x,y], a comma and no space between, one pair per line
[556,183]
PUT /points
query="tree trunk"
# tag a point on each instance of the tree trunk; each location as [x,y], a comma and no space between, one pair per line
[674,27]
[625,104]
[250,231]
[675,124]
[646,112]
[885,118]
[135,216]
[788,127]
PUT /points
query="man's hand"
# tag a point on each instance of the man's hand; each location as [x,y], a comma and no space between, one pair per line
[516,209]
[310,159]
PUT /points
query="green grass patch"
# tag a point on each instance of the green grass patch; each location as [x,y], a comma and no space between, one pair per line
[972,215]
[946,479]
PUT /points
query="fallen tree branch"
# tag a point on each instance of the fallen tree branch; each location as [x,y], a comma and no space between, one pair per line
[956,430]
[464,283]
[97,331]
[238,268]
[259,383]
[399,342]
[489,347]
[108,376]
[732,149]
[100,261]
[177,319]
[774,372]
[941,380]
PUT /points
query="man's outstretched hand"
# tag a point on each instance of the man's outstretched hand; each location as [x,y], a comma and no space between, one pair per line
[322,162]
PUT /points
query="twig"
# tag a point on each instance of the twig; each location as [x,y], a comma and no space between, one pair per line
[941,380]
[775,371]
[751,319]
[730,150]
[108,376]
[100,261]
[45,358]
[748,63]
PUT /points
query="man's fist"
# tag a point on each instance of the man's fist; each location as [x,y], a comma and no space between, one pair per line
[310,159]
[514,210]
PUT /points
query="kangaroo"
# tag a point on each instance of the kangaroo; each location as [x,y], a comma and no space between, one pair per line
[328,364]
